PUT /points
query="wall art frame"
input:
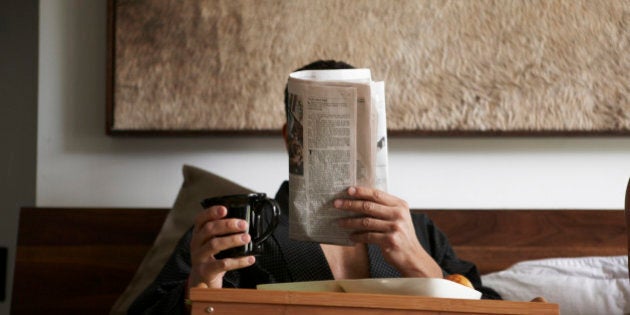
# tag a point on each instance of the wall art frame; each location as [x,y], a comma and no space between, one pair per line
[451,68]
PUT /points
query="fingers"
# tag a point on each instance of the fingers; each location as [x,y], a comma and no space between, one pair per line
[373,203]
[210,274]
[223,227]
[370,230]
[212,268]
[384,219]
[363,224]
[374,195]
[211,224]
[228,264]
[217,244]
[210,214]
[368,208]
[213,233]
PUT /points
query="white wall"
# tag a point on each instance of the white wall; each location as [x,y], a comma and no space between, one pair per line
[78,165]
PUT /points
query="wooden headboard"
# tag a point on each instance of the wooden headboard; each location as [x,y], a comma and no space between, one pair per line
[78,261]
[496,239]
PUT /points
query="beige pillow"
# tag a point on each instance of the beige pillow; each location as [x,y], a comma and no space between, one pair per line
[198,184]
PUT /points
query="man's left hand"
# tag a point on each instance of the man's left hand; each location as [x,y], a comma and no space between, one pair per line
[386,222]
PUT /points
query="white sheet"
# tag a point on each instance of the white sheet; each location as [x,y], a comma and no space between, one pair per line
[581,285]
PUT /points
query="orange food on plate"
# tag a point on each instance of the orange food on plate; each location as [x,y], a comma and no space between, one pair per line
[457,278]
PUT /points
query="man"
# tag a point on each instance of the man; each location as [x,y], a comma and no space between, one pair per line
[388,242]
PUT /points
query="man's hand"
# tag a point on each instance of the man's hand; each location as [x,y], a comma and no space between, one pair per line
[386,222]
[213,233]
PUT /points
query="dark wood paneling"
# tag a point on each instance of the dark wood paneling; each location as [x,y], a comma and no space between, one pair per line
[67,227]
[78,261]
[496,239]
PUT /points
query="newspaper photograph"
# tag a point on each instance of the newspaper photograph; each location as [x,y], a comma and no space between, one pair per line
[337,138]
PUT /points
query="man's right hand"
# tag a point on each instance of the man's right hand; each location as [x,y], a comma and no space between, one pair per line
[212,234]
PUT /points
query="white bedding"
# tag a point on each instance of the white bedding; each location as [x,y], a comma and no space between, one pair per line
[581,285]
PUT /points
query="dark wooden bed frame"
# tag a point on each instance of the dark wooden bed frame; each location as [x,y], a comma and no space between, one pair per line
[78,261]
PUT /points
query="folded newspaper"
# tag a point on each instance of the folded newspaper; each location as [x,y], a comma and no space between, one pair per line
[337,137]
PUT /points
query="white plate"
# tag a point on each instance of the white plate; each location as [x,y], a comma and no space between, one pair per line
[433,287]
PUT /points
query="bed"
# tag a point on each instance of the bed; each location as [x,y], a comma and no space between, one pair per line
[83,267]
[81,260]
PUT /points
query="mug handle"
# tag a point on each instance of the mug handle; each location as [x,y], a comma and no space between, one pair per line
[274,221]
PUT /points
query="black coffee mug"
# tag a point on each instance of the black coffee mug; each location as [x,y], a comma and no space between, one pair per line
[251,208]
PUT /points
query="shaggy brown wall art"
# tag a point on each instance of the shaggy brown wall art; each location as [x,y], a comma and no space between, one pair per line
[451,67]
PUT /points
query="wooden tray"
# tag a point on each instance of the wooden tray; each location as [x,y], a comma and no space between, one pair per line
[244,301]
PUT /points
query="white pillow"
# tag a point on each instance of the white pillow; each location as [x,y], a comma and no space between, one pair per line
[198,184]
[582,285]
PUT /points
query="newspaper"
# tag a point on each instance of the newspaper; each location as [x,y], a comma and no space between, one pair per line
[337,138]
